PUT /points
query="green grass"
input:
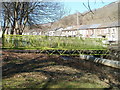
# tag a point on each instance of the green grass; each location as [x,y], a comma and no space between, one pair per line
[33,42]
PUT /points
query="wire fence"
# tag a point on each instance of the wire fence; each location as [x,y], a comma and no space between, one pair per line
[56,44]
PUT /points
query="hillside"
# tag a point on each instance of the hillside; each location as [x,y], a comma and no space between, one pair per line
[106,14]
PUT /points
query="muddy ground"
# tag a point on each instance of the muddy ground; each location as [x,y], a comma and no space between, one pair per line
[26,70]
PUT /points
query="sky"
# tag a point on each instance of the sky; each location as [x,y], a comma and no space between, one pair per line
[77,6]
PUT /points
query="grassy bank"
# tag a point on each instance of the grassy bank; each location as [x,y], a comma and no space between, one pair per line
[36,42]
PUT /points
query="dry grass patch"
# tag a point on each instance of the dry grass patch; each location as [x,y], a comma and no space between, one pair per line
[60,68]
[25,80]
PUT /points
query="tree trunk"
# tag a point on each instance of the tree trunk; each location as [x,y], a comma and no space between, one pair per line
[107,62]
[15,22]
[3,37]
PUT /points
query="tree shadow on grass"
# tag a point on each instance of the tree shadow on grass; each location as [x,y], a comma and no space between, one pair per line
[31,65]
[12,68]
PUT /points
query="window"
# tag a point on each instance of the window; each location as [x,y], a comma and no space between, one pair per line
[113,31]
[109,31]
[113,36]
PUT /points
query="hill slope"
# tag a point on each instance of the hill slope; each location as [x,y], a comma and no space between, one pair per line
[106,14]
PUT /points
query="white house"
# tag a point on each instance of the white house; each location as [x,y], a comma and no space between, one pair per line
[83,30]
[69,32]
[107,30]
[113,29]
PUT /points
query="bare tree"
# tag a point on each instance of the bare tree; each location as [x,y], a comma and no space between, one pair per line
[19,14]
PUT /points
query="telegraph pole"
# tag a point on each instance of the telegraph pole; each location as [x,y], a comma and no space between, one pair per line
[77,19]
[77,23]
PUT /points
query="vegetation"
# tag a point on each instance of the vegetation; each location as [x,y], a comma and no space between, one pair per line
[51,42]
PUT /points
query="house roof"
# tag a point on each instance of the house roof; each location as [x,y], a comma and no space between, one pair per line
[84,27]
[111,24]
[104,25]
[89,26]
[94,25]
[114,24]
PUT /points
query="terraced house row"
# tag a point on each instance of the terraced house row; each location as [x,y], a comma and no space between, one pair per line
[105,30]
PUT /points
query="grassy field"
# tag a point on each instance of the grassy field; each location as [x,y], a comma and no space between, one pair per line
[47,42]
